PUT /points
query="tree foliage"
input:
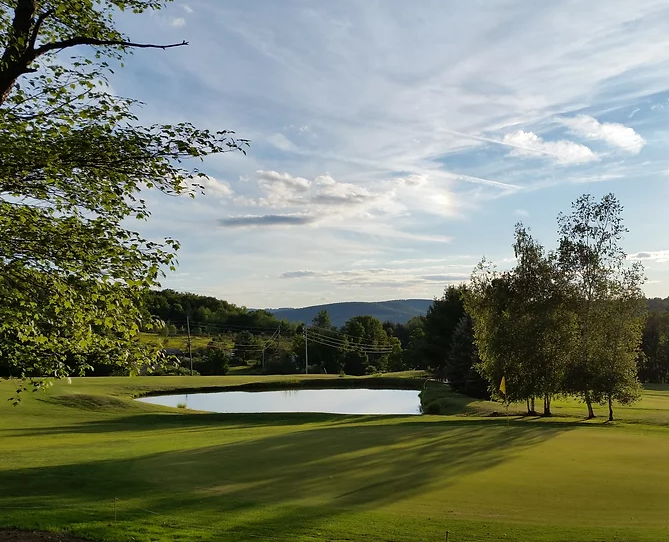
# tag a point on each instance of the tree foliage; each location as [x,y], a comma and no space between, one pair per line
[74,166]
[440,323]
[606,301]
[567,322]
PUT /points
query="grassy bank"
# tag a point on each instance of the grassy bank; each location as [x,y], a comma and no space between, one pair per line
[88,458]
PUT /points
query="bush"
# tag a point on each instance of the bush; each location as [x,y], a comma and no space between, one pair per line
[437,407]
[213,361]
[172,371]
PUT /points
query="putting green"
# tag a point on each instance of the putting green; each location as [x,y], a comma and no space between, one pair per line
[85,457]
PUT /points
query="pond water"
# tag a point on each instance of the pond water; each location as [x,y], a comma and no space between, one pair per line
[338,401]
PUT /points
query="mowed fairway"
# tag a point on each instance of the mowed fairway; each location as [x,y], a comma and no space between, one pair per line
[85,457]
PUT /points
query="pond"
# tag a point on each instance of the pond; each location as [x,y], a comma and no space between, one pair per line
[331,401]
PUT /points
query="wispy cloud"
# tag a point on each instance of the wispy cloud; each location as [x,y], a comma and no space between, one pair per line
[377,277]
[266,220]
[529,144]
[380,135]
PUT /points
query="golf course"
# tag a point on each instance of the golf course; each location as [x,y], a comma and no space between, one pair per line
[86,459]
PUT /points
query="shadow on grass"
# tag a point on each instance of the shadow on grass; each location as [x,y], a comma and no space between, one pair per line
[291,482]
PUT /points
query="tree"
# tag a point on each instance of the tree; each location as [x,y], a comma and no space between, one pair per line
[247,348]
[625,314]
[213,361]
[654,359]
[522,324]
[460,369]
[414,348]
[600,284]
[321,350]
[441,320]
[545,326]
[366,335]
[73,164]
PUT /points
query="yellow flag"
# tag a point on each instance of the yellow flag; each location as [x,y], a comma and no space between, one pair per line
[502,386]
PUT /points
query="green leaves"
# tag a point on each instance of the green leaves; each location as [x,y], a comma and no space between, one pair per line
[567,322]
[74,162]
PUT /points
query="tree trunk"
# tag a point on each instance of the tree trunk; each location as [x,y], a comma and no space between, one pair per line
[610,409]
[528,407]
[532,403]
[588,401]
[13,64]
[547,405]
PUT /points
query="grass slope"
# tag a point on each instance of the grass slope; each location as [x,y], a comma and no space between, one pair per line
[87,458]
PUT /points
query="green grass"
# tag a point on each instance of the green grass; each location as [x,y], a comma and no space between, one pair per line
[179,341]
[77,455]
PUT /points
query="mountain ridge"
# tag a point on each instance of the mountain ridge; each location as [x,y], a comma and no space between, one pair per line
[395,310]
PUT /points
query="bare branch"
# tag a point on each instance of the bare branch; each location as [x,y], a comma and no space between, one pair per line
[38,25]
[81,40]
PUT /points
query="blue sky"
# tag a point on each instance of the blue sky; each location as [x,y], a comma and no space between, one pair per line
[395,143]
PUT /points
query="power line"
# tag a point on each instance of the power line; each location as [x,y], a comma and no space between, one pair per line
[352,348]
[336,343]
[356,342]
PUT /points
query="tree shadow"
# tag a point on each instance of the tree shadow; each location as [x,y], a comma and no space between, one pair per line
[161,421]
[302,477]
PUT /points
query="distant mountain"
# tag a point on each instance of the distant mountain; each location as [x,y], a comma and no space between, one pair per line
[398,310]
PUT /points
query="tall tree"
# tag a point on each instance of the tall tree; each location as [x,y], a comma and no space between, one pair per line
[463,359]
[625,311]
[441,321]
[545,326]
[522,324]
[365,334]
[654,358]
[321,353]
[73,163]
[595,267]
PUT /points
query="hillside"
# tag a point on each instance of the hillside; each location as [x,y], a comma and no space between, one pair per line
[399,311]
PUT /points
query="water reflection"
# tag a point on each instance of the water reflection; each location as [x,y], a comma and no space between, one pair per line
[340,401]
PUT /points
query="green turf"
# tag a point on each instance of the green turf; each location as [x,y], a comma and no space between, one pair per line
[77,455]
[181,341]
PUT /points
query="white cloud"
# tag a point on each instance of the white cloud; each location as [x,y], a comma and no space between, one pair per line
[387,96]
[660,256]
[522,213]
[613,133]
[323,195]
[282,143]
[210,185]
[187,8]
[177,22]
[215,187]
[378,277]
[529,144]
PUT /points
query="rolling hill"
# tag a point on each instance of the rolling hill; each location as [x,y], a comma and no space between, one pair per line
[398,310]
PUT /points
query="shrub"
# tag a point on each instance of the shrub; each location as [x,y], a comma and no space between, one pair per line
[437,407]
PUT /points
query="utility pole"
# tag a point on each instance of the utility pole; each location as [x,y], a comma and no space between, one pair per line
[306,351]
[190,350]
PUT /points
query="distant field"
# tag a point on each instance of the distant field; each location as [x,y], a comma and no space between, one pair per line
[178,341]
[80,454]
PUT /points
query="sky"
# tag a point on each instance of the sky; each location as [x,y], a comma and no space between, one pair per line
[394,144]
